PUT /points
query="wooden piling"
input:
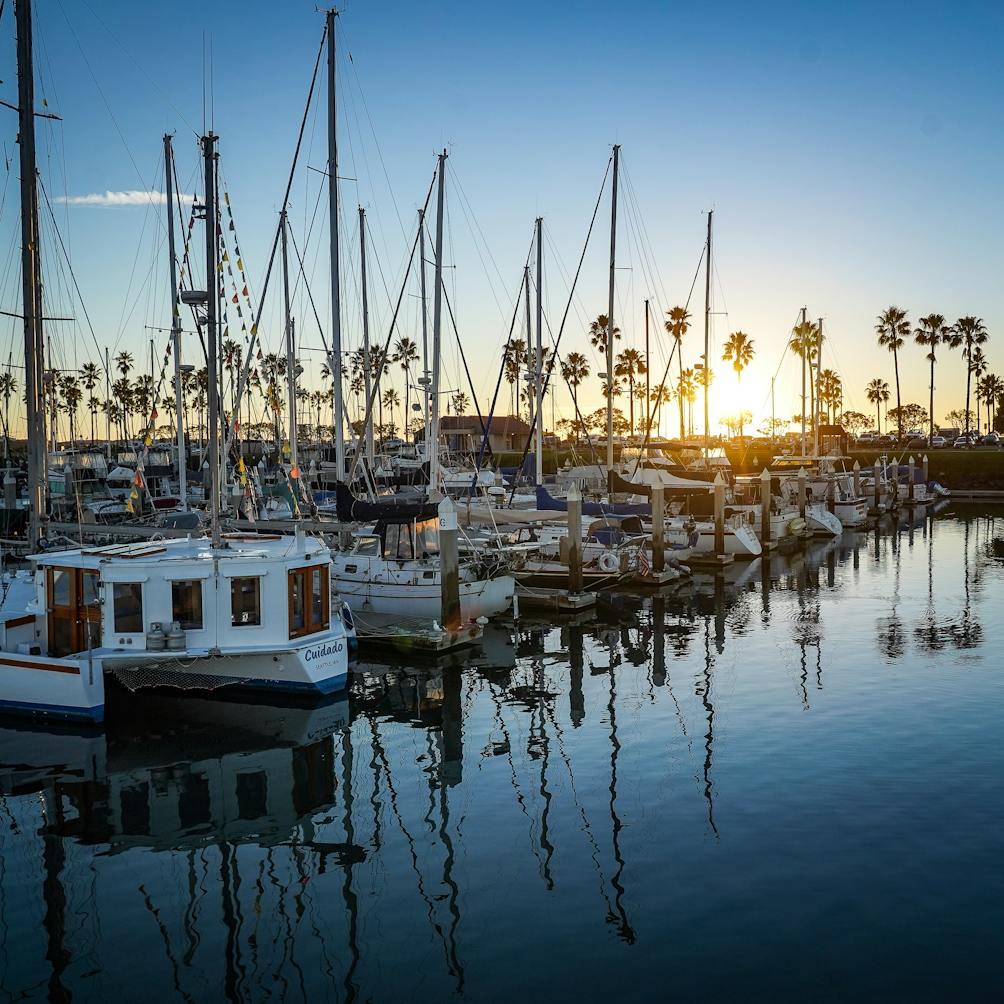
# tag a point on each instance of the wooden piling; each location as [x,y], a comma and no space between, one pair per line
[911,467]
[574,500]
[801,491]
[719,515]
[857,480]
[877,476]
[765,509]
[449,563]
[658,528]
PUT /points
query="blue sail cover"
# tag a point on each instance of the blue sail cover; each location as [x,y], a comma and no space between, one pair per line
[545,501]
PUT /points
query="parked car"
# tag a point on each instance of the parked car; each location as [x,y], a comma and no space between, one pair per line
[964,442]
[991,439]
[938,442]
[868,437]
[917,443]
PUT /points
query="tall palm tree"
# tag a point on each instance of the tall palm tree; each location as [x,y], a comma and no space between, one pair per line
[514,358]
[629,365]
[804,342]
[991,390]
[598,334]
[123,363]
[979,367]
[830,390]
[657,398]
[677,325]
[8,386]
[892,327]
[406,353]
[739,351]
[687,391]
[877,392]
[575,369]
[932,331]
[72,396]
[90,375]
[969,333]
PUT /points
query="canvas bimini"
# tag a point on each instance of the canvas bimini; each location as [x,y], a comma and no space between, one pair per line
[255,611]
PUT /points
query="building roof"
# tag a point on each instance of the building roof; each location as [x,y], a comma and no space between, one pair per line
[508,425]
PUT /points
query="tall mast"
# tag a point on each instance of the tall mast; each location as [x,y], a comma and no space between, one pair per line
[648,391]
[31,278]
[336,298]
[610,312]
[805,346]
[425,326]
[108,411]
[290,353]
[212,307]
[707,341]
[819,403]
[179,398]
[539,366]
[367,362]
[437,323]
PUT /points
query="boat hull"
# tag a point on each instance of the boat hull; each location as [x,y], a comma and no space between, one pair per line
[423,600]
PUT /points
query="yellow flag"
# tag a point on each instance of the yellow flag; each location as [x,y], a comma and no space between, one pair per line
[240,264]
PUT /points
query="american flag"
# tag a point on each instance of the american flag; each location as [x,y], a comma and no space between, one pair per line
[644,565]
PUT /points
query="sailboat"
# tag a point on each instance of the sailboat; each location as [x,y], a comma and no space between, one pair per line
[245,609]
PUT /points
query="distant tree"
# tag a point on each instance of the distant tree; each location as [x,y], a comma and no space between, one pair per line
[677,326]
[598,334]
[909,416]
[968,334]
[892,327]
[932,331]
[628,367]
[574,369]
[877,392]
[739,351]
[855,422]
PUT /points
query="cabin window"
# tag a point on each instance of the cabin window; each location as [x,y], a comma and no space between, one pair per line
[427,538]
[309,600]
[61,578]
[397,543]
[186,604]
[127,600]
[245,601]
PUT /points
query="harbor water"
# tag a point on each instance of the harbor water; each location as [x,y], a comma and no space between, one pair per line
[786,782]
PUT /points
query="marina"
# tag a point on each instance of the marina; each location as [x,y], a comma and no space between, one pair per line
[395,603]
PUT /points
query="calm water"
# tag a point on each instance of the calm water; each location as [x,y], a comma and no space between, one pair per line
[788,785]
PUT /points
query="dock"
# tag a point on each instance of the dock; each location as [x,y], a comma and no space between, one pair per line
[386,632]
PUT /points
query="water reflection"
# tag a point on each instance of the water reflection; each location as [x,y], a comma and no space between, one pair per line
[551,804]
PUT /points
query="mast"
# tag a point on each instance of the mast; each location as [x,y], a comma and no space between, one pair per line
[425,327]
[610,312]
[367,368]
[707,341]
[212,307]
[539,367]
[31,277]
[336,306]
[290,354]
[648,399]
[819,404]
[108,413]
[437,322]
[179,398]
[804,348]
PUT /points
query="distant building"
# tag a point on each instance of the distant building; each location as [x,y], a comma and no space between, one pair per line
[463,433]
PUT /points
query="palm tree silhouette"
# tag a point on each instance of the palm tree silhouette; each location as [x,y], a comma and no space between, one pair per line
[89,376]
[629,365]
[406,353]
[739,351]
[932,331]
[969,333]
[877,392]
[677,325]
[575,369]
[598,333]
[892,328]
[804,342]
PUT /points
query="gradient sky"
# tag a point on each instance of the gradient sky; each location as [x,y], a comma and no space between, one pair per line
[852,156]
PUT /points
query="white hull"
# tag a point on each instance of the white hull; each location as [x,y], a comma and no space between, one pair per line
[423,600]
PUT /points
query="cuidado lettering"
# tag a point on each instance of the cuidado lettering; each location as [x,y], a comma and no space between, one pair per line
[331,648]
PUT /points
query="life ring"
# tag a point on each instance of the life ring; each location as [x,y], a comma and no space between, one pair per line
[609,562]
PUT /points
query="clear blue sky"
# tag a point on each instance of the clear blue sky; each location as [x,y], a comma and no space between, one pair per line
[852,156]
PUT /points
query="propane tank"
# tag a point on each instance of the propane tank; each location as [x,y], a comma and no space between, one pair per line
[155,638]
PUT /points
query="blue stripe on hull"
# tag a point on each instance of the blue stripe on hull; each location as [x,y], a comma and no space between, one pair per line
[329,686]
[95,714]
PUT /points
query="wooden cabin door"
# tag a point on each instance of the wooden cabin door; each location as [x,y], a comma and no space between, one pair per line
[74,610]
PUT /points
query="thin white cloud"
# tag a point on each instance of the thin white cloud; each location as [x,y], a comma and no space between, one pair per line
[132,198]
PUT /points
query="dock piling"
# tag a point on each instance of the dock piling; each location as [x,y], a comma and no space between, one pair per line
[857,480]
[877,477]
[911,467]
[658,528]
[765,509]
[574,500]
[801,492]
[449,559]
[719,515]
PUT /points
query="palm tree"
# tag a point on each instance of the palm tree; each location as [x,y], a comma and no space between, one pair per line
[461,402]
[514,358]
[991,389]
[969,333]
[739,351]
[629,365]
[657,398]
[123,363]
[932,331]
[830,390]
[979,367]
[804,342]
[90,375]
[406,353]
[122,393]
[8,386]
[892,328]
[677,325]
[72,395]
[575,369]
[391,400]
[598,334]
[877,392]
[686,390]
